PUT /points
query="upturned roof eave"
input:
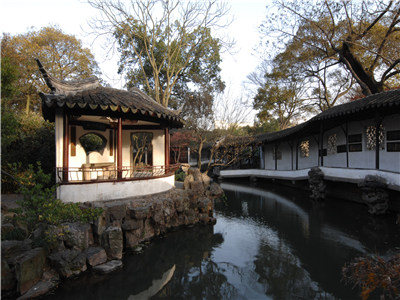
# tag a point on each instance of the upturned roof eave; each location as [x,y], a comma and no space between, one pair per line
[52,102]
[88,95]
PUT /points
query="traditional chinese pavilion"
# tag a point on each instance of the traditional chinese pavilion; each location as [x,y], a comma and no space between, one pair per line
[110,143]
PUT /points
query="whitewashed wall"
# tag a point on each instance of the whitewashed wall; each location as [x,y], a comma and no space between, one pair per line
[390,161]
[268,157]
[312,159]
[337,159]
[286,162]
[113,190]
[59,141]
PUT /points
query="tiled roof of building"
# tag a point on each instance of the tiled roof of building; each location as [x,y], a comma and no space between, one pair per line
[375,101]
[385,100]
[89,94]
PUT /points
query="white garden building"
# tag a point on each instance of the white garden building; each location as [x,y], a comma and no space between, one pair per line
[347,142]
[110,144]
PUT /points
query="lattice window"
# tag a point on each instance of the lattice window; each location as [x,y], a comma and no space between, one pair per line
[305,148]
[355,142]
[370,134]
[393,141]
[332,143]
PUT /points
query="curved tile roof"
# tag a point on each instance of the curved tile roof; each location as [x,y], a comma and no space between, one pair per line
[385,100]
[89,94]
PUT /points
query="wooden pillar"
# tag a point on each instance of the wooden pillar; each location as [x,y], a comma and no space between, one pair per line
[291,154]
[377,132]
[166,148]
[347,144]
[65,146]
[297,155]
[119,149]
[321,143]
[276,156]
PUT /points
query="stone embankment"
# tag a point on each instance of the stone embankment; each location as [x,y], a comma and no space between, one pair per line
[28,272]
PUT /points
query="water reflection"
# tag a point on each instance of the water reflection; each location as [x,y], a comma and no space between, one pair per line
[155,287]
[268,243]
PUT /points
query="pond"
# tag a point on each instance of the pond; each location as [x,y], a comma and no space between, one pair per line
[270,242]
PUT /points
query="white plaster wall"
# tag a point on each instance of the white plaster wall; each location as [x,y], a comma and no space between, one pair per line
[337,159]
[335,174]
[59,141]
[268,154]
[158,148]
[364,159]
[312,159]
[390,160]
[94,157]
[113,190]
[286,162]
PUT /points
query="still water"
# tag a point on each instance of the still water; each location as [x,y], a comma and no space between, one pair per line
[269,242]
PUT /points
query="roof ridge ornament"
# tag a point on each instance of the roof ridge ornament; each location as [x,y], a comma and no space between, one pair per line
[67,87]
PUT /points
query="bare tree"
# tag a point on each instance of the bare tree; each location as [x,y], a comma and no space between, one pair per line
[165,43]
[231,112]
[360,37]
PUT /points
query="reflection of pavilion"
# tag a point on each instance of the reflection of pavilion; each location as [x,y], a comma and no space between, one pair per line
[156,286]
[295,254]
[275,198]
[328,232]
[110,144]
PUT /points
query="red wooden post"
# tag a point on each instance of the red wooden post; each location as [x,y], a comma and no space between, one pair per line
[119,150]
[167,142]
[65,146]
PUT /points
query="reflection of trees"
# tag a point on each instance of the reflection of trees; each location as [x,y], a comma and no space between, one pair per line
[282,276]
[197,274]
[205,281]
[188,249]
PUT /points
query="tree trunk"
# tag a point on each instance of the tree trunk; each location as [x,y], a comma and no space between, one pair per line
[367,82]
[199,155]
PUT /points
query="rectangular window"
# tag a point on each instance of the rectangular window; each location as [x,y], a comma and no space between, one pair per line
[341,148]
[142,149]
[393,141]
[355,142]
[393,135]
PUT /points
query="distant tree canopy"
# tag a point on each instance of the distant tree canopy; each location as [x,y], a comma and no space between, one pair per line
[26,138]
[62,54]
[167,47]
[328,46]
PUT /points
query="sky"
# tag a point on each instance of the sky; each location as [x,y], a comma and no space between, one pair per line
[72,16]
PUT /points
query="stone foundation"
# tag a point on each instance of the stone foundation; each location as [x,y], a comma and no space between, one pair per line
[316,184]
[374,194]
[30,272]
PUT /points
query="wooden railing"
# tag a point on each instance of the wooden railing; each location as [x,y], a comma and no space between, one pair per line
[108,172]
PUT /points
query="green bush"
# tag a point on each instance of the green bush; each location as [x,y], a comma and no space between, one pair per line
[180,175]
[25,139]
[17,233]
[40,206]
